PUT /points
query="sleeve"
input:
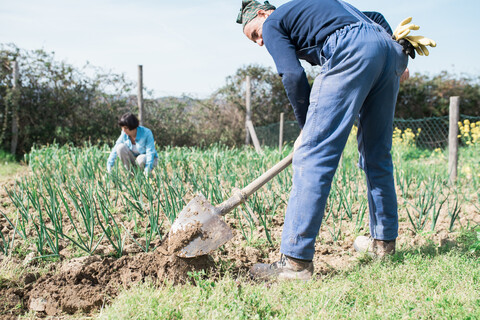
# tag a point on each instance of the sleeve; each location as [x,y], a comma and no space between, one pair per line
[113,154]
[293,75]
[149,150]
[379,19]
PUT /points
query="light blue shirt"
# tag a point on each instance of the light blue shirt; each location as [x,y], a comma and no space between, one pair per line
[145,145]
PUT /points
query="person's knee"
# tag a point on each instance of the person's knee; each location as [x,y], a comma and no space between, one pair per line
[141,160]
[122,149]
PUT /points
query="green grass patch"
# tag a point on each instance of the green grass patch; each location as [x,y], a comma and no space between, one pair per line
[414,284]
[8,165]
[8,169]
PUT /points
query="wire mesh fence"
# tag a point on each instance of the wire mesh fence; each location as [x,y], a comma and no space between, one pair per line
[269,135]
[432,132]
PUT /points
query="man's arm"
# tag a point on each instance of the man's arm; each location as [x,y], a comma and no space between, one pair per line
[113,153]
[289,68]
[149,150]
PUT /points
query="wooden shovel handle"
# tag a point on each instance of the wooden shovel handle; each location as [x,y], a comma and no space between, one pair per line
[240,196]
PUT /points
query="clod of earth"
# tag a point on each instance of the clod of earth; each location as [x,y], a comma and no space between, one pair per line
[179,240]
[85,284]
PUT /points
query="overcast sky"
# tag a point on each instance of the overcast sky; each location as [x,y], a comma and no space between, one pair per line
[191,46]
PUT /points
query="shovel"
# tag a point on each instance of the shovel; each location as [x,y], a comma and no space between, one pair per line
[199,229]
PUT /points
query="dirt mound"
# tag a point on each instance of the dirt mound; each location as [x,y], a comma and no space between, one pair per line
[85,284]
[10,299]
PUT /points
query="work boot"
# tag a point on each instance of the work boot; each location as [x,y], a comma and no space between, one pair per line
[373,247]
[286,268]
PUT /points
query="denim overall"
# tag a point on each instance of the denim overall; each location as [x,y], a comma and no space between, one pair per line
[361,68]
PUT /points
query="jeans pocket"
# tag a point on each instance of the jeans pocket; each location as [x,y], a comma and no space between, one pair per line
[401,61]
[329,46]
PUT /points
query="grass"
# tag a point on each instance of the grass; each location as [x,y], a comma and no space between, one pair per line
[419,283]
[9,168]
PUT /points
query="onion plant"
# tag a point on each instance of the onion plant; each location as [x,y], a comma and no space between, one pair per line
[110,227]
[359,220]
[7,240]
[47,236]
[83,235]
[426,202]
[454,210]
[19,198]
[70,185]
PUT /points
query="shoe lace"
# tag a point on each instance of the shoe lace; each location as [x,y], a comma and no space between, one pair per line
[280,263]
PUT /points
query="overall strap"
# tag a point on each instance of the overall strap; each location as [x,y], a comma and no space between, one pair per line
[360,16]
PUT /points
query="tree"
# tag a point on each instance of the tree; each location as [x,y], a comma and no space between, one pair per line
[268,95]
[58,102]
[422,96]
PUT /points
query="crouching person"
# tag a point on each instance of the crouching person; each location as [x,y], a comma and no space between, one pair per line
[135,146]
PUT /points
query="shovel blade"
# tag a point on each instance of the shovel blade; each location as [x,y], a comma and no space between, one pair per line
[198,230]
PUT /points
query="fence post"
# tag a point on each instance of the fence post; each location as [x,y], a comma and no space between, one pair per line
[453,138]
[256,143]
[15,107]
[248,94]
[141,114]
[280,134]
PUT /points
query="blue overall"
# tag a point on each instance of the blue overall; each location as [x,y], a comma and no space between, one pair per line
[361,67]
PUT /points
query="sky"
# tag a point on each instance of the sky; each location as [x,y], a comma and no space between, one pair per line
[191,46]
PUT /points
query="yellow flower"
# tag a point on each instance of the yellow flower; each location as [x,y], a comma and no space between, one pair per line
[466,171]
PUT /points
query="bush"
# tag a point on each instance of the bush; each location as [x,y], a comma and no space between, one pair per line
[423,96]
[57,102]
[6,156]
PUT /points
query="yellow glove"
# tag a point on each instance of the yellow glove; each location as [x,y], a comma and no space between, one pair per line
[419,43]
[404,28]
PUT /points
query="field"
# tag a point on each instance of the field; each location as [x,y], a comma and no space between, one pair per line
[78,241]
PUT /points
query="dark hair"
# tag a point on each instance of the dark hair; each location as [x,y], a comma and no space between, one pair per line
[128,120]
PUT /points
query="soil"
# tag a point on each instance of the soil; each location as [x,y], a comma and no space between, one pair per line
[179,240]
[83,285]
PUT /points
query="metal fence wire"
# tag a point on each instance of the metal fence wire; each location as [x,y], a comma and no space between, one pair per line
[433,131]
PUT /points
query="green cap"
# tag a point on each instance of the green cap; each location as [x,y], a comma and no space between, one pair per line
[250,9]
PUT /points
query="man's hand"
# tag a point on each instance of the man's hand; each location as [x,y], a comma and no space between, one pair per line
[146,173]
[405,75]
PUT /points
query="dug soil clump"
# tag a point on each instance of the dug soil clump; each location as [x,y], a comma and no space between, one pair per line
[85,284]
[179,240]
